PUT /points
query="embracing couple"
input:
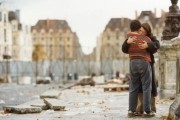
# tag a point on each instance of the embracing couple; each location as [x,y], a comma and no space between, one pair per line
[141,45]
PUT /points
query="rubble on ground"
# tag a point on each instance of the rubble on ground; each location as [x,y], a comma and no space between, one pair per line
[51,94]
[20,109]
[81,102]
[162,101]
[48,100]
[43,80]
[54,104]
[118,81]
[86,81]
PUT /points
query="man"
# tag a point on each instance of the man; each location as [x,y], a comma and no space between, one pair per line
[140,70]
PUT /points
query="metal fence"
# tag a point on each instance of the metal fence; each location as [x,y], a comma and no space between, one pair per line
[60,70]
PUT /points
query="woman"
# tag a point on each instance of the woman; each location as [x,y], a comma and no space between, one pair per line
[152,48]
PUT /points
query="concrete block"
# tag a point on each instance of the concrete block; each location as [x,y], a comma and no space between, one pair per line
[36,103]
[25,80]
[51,94]
[99,79]
[19,109]
[54,104]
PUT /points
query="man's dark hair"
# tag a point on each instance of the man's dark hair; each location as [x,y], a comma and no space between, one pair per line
[135,25]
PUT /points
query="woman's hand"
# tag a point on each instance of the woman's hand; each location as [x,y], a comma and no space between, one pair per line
[143,45]
[131,39]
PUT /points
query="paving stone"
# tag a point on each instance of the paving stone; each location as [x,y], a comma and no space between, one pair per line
[51,94]
[55,104]
[37,103]
[20,109]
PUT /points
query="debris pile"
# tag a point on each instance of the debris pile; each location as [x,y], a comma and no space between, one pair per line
[43,80]
[118,84]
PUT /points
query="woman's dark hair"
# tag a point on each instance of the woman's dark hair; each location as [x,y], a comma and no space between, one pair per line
[147,28]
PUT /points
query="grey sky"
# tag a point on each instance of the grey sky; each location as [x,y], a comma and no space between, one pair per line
[86,17]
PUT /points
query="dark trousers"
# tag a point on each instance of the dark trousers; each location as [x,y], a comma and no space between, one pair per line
[140,73]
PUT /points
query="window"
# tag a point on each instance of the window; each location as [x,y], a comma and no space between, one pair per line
[5,18]
[0,16]
[146,18]
[34,34]
[14,27]
[60,38]
[51,51]
[50,38]
[117,36]
[68,46]
[108,37]
[5,35]
[67,54]
[27,30]
[108,45]
[51,33]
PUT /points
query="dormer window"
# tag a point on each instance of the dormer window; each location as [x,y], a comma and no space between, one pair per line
[146,18]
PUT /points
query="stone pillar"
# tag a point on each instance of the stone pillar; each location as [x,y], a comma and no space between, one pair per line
[173,45]
[167,69]
[178,73]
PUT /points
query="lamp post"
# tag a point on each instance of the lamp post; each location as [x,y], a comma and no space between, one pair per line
[174,2]
[172,23]
[170,31]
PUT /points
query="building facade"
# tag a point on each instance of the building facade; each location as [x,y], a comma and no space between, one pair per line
[5,33]
[15,39]
[54,40]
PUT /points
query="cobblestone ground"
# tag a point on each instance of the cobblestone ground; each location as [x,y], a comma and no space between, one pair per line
[83,103]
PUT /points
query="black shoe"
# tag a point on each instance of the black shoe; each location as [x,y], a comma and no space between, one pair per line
[149,114]
[132,114]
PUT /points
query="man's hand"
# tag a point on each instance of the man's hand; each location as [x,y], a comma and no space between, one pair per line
[143,45]
[131,39]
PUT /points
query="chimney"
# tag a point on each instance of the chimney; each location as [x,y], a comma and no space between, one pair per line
[155,12]
[48,22]
[162,13]
[122,21]
[17,12]
[136,14]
